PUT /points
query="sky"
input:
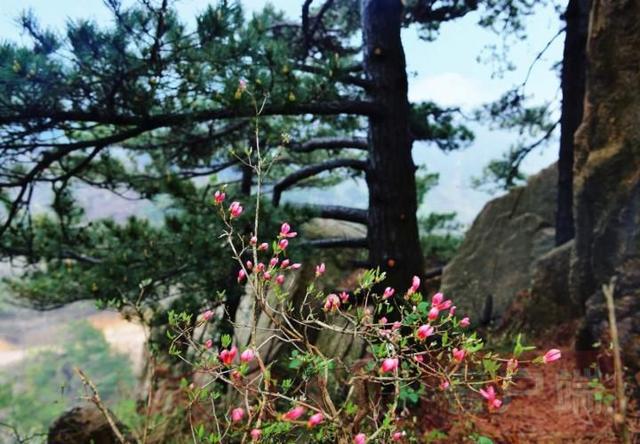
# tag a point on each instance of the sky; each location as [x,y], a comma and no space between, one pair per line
[446,71]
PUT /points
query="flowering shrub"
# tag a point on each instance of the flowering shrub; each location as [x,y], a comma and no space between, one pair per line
[416,346]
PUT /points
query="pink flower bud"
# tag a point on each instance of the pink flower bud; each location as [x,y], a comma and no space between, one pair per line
[389,365]
[253,240]
[227,356]
[397,436]
[219,197]
[418,358]
[437,299]
[552,355]
[235,209]
[241,275]
[458,355]
[273,262]
[360,438]
[255,434]
[424,331]
[207,315]
[284,264]
[247,355]
[237,414]
[444,385]
[415,285]
[344,297]
[260,267]
[293,414]
[320,269]
[263,246]
[396,325]
[465,322]
[433,313]
[208,343]
[280,279]
[452,311]
[493,403]
[316,419]
[296,266]
[383,320]
[266,276]
[332,303]
[283,244]
[249,265]
[388,292]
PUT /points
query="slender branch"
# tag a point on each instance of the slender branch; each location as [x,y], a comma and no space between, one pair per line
[358,242]
[349,214]
[328,143]
[312,170]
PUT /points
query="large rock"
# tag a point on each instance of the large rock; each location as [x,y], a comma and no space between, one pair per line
[607,176]
[82,425]
[494,263]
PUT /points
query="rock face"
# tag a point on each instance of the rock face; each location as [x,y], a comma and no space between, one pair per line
[607,175]
[495,260]
[82,425]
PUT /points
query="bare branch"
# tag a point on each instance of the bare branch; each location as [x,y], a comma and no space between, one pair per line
[340,212]
[328,143]
[359,242]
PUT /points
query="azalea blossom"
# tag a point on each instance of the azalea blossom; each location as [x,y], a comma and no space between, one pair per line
[237,414]
[263,246]
[397,436]
[241,275]
[285,231]
[465,322]
[360,438]
[320,269]
[293,414]
[296,266]
[247,355]
[280,279]
[235,209]
[552,355]
[415,285]
[218,197]
[438,302]
[260,267]
[433,313]
[266,276]
[255,434]
[388,292]
[227,356]
[273,262]
[493,403]
[249,265]
[389,365]
[458,355]
[332,303]
[344,297]
[284,264]
[283,244]
[452,311]
[424,331]
[316,419]
[253,240]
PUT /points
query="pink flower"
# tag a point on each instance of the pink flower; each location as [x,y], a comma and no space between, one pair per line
[433,313]
[320,269]
[285,231]
[389,365]
[415,284]
[458,355]
[424,331]
[397,436]
[284,264]
[493,403]
[253,240]
[316,419]
[452,311]
[218,197]
[418,358]
[227,356]
[273,262]
[283,244]
[207,315]
[444,385]
[438,302]
[255,434]
[260,267]
[280,279]
[263,246]
[237,414]
[552,355]
[332,303]
[296,266]
[249,265]
[344,297]
[235,209]
[383,320]
[208,343]
[293,414]
[241,275]
[388,292]
[247,355]
[465,322]
[396,325]
[242,85]
[266,276]
[360,438]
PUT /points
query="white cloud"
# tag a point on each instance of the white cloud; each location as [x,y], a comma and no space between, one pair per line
[450,89]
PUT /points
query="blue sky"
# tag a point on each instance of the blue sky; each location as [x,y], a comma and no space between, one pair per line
[446,71]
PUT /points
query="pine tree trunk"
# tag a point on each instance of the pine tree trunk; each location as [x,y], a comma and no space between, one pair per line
[573,83]
[393,238]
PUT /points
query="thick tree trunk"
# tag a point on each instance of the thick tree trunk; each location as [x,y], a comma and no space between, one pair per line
[393,238]
[573,83]
[607,176]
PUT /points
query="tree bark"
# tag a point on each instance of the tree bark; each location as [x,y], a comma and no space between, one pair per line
[574,68]
[393,239]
